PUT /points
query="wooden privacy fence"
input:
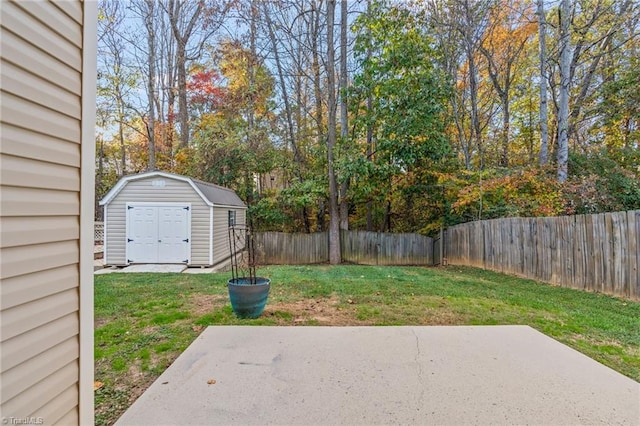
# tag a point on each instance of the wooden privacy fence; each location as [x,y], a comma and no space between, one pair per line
[366,248]
[379,248]
[599,252]
[291,249]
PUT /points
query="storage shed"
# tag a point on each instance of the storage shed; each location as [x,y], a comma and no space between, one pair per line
[159,217]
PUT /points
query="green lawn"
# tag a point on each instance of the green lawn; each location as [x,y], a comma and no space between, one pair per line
[144,321]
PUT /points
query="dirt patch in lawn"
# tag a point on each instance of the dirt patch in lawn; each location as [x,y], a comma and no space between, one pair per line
[101,322]
[202,303]
[319,311]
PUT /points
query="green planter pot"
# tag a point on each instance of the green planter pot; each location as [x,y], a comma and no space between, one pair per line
[248,297]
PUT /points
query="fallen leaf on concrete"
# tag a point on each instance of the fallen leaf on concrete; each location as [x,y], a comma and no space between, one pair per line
[211,382]
[164,383]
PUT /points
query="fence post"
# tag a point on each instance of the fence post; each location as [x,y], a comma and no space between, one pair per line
[441,242]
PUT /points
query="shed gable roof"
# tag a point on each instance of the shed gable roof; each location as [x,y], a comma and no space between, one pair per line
[212,195]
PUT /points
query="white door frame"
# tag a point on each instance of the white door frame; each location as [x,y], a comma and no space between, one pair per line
[157,204]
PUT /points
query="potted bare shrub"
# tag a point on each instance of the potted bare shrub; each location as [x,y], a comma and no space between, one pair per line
[248,293]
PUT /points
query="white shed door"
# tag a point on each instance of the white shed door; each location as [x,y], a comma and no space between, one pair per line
[158,234]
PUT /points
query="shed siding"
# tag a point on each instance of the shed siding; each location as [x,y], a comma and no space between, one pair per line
[41,117]
[221,250]
[142,191]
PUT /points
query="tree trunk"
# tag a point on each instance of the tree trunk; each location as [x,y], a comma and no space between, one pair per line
[183,114]
[565,80]
[544,129]
[475,117]
[123,148]
[315,64]
[250,66]
[369,136]
[249,183]
[504,160]
[335,257]
[151,57]
[344,119]
[369,158]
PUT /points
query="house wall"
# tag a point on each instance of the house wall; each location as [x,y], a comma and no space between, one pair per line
[221,245]
[142,191]
[47,110]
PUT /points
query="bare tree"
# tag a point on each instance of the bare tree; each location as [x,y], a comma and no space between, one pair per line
[115,72]
[183,17]
[189,19]
[598,49]
[450,42]
[472,29]
[156,66]
[460,26]
[283,86]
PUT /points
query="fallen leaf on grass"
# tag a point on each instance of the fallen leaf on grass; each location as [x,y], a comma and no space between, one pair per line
[97,385]
[211,382]
[197,328]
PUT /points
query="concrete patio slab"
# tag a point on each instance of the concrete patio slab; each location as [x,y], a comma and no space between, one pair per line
[384,375]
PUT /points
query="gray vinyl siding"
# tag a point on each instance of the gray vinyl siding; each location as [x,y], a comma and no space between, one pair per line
[221,249]
[141,191]
[40,157]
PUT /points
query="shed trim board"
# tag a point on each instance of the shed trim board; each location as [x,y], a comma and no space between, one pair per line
[173,257]
[105,242]
[211,236]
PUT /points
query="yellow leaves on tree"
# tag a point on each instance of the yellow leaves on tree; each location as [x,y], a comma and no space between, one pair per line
[530,192]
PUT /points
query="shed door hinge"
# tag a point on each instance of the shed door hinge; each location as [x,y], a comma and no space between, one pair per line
[185,261]
[186,208]
[129,207]
[186,240]
[129,240]
[129,261]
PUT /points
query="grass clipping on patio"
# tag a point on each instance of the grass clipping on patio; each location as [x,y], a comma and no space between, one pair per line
[144,321]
